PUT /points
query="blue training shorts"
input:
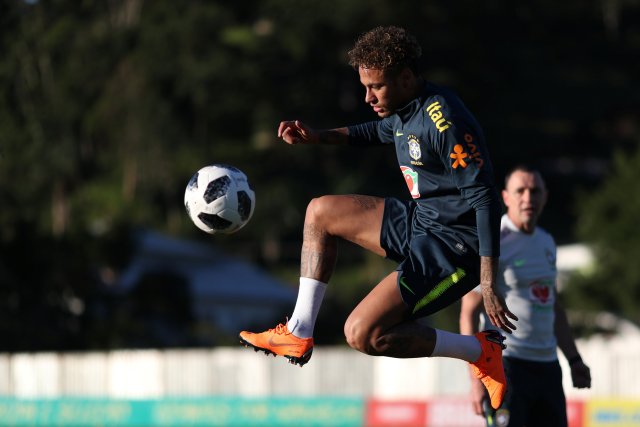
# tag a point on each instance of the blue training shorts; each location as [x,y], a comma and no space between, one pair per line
[435,268]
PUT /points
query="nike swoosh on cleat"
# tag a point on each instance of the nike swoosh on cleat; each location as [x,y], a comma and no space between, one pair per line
[282,344]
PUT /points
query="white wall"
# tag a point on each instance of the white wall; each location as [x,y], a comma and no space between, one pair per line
[615,366]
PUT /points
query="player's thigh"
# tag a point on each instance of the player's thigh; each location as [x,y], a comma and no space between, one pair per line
[353,217]
[381,309]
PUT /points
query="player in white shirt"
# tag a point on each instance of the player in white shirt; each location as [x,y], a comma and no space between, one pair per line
[527,279]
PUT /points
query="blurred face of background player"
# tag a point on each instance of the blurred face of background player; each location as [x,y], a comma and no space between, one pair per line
[524,196]
[385,91]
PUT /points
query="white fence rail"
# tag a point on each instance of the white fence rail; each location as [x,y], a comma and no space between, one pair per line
[615,367]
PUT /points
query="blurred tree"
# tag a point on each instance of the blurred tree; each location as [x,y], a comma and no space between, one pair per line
[608,222]
[107,108]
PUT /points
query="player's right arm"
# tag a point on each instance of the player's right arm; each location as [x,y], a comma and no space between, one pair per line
[369,133]
[580,372]
[295,132]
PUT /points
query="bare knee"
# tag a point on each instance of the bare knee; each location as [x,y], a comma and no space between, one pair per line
[318,211]
[360,337]
[403,340]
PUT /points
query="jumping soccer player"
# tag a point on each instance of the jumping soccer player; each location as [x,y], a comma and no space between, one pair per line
[446,240]
[527,278]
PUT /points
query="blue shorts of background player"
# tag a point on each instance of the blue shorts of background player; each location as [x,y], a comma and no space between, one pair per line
[534,397]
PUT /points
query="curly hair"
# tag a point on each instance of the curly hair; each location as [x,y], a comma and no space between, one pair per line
[387,49]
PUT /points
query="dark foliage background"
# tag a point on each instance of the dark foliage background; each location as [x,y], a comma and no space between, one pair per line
[107,109]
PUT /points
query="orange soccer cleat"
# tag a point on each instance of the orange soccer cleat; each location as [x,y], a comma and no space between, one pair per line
[279,341]
[488,368]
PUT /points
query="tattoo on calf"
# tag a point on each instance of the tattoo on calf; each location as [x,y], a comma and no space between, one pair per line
[318,255]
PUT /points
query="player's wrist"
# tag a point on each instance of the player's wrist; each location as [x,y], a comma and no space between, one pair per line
[574,360]
[487,289]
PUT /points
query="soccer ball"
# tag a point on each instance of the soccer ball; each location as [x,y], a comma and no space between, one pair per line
[219,199]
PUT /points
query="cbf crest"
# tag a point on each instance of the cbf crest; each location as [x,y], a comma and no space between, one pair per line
[414,150]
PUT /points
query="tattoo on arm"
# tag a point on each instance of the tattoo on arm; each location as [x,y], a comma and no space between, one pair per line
[488,270]
[334,136]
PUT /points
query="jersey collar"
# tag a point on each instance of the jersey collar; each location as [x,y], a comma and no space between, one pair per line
[405,113]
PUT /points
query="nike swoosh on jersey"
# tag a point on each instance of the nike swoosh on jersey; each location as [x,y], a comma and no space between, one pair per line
[398,133]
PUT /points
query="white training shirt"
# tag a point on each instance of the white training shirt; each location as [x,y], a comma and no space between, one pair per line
[527,278]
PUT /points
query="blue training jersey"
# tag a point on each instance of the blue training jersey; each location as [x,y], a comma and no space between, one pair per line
[444,159]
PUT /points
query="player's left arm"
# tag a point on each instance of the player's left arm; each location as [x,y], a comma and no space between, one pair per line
[580,373]
[494,304]
[462,149]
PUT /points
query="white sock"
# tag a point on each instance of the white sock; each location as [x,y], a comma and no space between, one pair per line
[305,313]
[465,347]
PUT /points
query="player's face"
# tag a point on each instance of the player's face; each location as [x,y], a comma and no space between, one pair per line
[525,197]
[385,93]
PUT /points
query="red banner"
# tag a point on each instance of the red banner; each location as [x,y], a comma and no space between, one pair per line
[441,412]
[395,414]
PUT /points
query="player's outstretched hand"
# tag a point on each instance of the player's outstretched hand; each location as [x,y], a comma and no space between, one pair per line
[478,394]
[497,310]
[296,132]
[581,375]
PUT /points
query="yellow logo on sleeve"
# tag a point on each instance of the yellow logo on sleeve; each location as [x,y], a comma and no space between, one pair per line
[433,110]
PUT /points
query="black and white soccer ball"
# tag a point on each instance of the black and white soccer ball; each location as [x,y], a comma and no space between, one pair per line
[219,199]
